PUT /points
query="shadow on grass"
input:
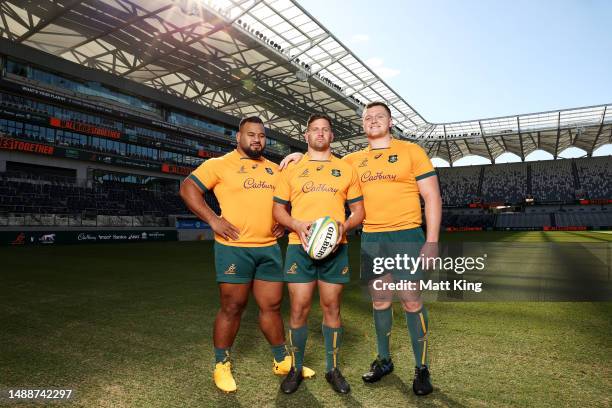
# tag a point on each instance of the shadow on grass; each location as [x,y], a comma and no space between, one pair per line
[435,399]
[302,398]
[226,400]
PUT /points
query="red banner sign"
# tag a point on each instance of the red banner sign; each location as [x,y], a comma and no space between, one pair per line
[17,145]
[85,128]
[174,169]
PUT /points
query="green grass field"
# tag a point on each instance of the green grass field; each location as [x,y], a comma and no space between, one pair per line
[131,326]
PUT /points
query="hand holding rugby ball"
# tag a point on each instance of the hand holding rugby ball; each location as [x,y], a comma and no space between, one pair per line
[323,237]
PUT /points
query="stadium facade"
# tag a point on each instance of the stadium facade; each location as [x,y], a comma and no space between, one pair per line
[104,108]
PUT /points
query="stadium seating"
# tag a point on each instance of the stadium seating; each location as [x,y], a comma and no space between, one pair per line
[595,175]
[552,180]
[459,186]
[505,183]
[52,195]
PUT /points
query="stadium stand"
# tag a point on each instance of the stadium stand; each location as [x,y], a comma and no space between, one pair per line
[505,183]
[557,173]
[459,186]
[595,175]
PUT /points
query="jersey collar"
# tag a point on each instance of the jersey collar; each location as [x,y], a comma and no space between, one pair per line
[391,145]
[307,157]
[241,157]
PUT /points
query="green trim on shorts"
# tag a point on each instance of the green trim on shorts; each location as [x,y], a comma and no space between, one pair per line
[406,235]
[235,264]
[301,268]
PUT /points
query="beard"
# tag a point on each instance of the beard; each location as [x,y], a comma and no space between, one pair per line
[253,154]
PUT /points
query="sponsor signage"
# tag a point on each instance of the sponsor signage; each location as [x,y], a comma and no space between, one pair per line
[18,238]
[174,169]
[85,128]
[7,143]
[191,224]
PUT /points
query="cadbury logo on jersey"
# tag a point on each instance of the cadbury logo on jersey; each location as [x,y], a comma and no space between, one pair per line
[311,187]
[379,175]
[250,183]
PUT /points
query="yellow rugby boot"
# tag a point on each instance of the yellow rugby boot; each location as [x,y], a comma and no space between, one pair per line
[284,366]
[224,380]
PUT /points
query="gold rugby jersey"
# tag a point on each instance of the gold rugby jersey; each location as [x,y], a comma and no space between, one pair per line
[244,188]
[316,188]
[388,179]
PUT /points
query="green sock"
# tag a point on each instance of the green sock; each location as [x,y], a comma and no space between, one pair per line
[418,323]
[297,342]
[221,354]
[279,352]
[333,340]
[383,321]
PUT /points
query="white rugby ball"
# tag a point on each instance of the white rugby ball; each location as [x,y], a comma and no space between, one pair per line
[323,236]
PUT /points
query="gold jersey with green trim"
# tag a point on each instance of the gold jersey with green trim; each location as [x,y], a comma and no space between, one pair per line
[244,188]
[388,179]
[317,188]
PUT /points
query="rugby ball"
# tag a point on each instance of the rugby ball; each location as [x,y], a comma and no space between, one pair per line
[323,236]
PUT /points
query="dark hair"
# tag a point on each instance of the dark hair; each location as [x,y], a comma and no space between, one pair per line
[378,103]
[250,119]
[316,116]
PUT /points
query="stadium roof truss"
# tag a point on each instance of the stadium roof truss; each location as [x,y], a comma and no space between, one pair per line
[273,59]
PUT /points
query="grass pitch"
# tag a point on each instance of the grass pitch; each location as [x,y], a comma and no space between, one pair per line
[131,326]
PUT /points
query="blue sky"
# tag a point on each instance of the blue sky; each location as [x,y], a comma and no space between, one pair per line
[461,60]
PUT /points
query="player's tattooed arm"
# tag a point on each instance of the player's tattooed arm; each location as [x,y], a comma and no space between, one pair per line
[290,158]
[282,216]
[193,197]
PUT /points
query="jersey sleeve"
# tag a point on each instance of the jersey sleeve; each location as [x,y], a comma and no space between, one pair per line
[354,191]
[206,175]
[282,191]
[421,165]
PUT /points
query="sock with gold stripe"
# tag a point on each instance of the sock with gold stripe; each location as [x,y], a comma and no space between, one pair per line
[333,339]
[297,344]
[383,321]
[221,354]
[279,352]
[418,324]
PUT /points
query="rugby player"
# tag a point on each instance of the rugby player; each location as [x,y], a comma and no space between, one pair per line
[247,256]
[318,185]
[392,175]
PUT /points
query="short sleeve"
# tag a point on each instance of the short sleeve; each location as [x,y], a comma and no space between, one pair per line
[354,191]
[421,165]
[282,190]
[206,175]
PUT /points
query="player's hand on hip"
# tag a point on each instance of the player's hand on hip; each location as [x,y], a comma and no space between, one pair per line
[429,251]
[223,228]
[302,229]
[290,158]
[278,230]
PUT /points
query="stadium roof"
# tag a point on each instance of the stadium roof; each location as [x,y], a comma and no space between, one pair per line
[271,58]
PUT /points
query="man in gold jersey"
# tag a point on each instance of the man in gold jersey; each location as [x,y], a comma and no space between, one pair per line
[318,185]
[392,175]
[246,253]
